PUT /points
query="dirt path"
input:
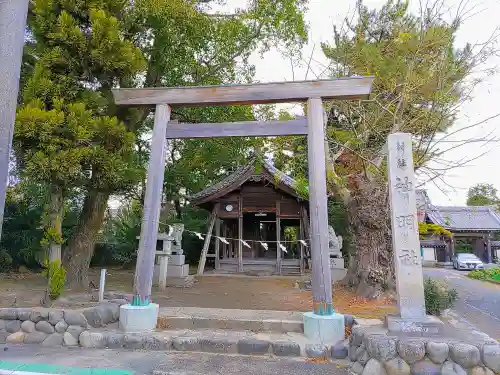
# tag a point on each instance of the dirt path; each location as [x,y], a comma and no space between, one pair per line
[253,293]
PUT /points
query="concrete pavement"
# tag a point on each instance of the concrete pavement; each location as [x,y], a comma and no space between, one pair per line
[159,363]
[479,301]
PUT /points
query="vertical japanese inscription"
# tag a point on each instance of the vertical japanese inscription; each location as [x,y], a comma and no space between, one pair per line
[401,160]
[406,245]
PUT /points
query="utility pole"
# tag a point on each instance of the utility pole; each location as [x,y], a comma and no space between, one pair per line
[13,14]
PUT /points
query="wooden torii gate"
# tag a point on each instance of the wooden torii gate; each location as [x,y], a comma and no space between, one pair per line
[263,93]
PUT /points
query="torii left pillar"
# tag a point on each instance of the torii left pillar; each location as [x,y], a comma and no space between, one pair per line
[141,314]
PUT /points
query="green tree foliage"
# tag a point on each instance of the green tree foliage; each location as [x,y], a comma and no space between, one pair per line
[83,49]
[421,79]
[56,276]
[482,195]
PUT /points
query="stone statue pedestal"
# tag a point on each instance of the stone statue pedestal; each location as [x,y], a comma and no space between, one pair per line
[171,268]
[336,262]
[337,266]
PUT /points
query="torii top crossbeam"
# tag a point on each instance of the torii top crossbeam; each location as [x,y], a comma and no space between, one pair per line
[260,93]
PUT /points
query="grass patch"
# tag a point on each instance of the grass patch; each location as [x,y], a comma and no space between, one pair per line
[491,274]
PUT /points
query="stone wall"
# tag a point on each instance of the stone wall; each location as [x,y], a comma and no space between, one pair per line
[380,354]
[52,327]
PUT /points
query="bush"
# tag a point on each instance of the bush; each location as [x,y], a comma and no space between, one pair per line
[5,261]
[56,276]
[438,297]
[489,274]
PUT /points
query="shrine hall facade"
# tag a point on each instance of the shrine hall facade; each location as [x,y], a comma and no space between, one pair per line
[261,216]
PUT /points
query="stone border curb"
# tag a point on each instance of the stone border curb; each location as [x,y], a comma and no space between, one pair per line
[375,353]
[56,328]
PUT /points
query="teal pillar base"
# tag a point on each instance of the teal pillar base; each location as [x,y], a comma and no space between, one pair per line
[324,329]
[137,300]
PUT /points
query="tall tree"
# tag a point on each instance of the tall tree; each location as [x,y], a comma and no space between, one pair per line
[482,195]
[421,79]
[89,47]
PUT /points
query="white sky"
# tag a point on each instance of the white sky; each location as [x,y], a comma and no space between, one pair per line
[323,14]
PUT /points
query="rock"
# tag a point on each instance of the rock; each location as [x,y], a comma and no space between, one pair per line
[186,343]
[357,368]
[452,368]
[491,357]
[28,326]
[61,327]
[374,367]
[157,342]
[465,355]
[425,367]
[119,301]
[55,316]
[357,335]
[316,351]
[380,347]
[3,337]
[12,326]
[116,340]
[115,311]
[397,366]
[437,351]
[349,320]
[35,338]
[8,314]
[339,351]
[45,327]
[102,314]
[254,347]
[89,339]
[75,331]
[69,339]
[16,338]
[75,318]
[411,350]
[285,349]
[132,341]
[363,357]
[480,370]
[54,339]
[2,325]
[352,353]
[24,314]
[39,314]
[219,345]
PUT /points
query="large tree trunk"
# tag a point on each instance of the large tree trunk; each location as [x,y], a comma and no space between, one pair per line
[371,266]
[55,223]
[80,249]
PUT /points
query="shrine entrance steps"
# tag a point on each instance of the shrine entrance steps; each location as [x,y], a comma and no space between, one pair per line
[232,319]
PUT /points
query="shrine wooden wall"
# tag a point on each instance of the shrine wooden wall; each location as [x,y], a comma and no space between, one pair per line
[258,197]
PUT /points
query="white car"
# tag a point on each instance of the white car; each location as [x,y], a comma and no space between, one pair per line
[465,261]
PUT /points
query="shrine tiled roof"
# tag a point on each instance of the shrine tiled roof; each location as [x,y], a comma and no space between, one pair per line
[239,177]
[465,218]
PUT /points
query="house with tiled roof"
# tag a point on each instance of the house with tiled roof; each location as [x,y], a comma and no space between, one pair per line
[471,225]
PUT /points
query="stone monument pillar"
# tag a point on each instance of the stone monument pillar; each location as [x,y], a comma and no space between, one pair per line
[405,241]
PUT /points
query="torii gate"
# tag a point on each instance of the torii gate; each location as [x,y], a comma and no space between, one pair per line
[322,318]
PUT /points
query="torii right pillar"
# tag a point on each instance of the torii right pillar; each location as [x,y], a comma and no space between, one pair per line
[323,324]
